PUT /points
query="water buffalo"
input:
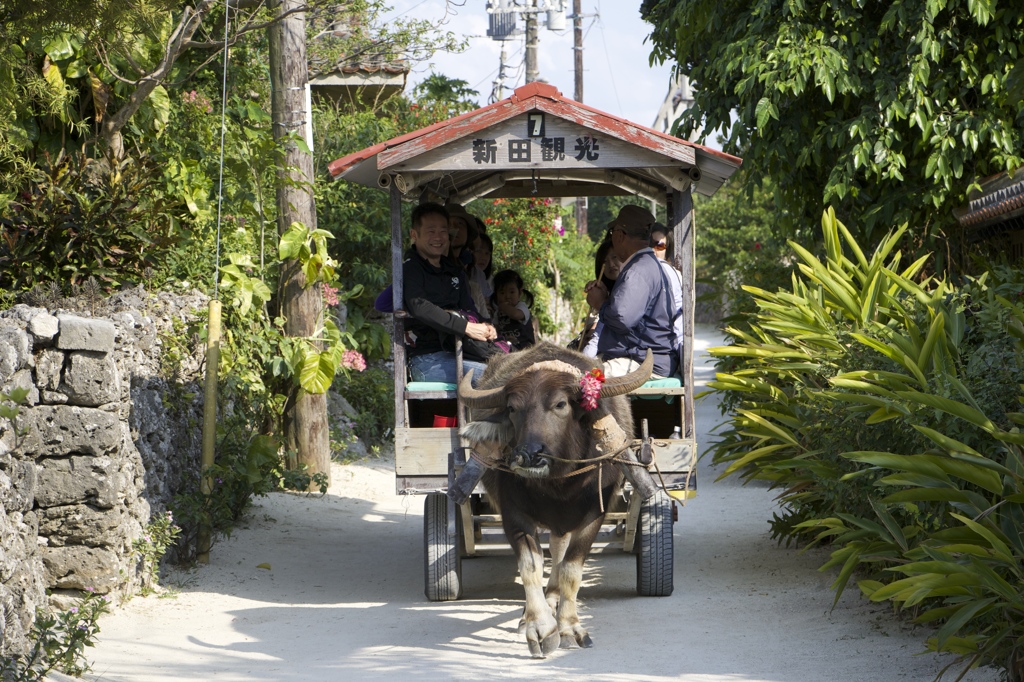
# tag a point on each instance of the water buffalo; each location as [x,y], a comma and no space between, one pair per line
[530,406]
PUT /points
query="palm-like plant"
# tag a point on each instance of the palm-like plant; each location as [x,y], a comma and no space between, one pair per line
[931,514]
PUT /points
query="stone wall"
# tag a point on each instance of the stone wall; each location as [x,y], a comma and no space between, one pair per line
[109,434]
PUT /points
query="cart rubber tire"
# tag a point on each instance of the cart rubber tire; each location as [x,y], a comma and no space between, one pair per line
[654,568]
[442,564]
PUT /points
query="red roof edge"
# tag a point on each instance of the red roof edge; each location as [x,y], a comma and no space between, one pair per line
[522,93]
[535,89]
[339,166]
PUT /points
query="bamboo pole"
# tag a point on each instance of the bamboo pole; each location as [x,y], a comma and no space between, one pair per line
[209,424]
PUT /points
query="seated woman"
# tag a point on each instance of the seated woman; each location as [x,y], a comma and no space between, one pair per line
[606,269]
[480,283]
[511,303]
[661,243]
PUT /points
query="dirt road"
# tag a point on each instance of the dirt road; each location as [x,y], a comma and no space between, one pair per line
[343,600]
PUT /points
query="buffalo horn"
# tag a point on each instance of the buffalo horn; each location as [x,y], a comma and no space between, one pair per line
[480,399]
[631,381]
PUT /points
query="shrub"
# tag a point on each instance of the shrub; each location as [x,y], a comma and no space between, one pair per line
[78,219]
[886,410]
[372,394]
[59,640]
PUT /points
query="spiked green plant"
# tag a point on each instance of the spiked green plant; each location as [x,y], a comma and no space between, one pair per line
[886,410]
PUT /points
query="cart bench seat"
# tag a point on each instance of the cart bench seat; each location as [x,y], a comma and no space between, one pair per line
[434,390]
[430,390]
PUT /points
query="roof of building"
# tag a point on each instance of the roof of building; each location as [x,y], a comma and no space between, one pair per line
[489,152]
[369,79]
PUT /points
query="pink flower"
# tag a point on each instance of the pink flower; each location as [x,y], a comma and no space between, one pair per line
[353,359]
[591,387]
[330,295]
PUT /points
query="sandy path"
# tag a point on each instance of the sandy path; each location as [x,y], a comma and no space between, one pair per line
[343,600]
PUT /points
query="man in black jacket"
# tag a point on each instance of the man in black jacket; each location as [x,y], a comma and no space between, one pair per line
[435,288]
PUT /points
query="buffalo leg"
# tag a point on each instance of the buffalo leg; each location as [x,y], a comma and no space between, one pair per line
[541,627]
[557,544]
[570,576]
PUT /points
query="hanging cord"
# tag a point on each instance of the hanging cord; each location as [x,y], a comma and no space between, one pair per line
[591,462]
[223,127]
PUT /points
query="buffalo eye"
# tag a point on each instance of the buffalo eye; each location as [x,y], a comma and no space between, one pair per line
[511,409]
[561,405]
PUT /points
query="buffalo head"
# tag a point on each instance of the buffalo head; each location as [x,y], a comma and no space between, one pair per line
[536,418]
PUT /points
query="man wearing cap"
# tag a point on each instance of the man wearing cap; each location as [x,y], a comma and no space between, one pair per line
[639,313]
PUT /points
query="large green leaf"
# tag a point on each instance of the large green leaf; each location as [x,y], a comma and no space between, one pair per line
[945,441]
[59,47]
[919,464]
[317,372]
[998,544]
[293,241]
[936,328]
[952,407]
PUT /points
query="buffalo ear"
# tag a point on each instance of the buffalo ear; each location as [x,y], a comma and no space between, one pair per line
[495,429]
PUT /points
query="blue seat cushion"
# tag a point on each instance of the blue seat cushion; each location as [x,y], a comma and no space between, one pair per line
[669,382]
[429,386]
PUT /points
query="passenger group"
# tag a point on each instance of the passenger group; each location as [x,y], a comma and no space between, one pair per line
[451,293]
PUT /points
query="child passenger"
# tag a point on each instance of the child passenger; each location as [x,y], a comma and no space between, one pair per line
[511,303]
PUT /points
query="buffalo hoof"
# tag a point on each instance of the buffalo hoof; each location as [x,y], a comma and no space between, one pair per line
[543,648]
[577,637]
[540,644]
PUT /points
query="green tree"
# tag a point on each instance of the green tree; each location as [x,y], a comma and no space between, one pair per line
[887,111]
[454,92]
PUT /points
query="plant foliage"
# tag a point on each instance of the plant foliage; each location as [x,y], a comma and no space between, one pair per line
[887,111]
[887,412]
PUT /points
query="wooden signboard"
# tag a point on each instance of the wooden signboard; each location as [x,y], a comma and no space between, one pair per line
[534,140]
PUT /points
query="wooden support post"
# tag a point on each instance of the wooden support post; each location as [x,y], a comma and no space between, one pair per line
[305,419]
[209,423]
[681,219]
[397,298]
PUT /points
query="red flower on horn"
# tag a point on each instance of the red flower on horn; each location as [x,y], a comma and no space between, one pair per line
[591,383]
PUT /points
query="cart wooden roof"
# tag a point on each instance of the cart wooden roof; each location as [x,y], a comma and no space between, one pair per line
[538,143]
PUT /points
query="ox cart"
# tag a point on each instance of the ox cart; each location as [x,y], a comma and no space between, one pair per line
[539,144]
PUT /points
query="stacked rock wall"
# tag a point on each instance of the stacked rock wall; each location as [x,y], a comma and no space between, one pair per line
[97,448]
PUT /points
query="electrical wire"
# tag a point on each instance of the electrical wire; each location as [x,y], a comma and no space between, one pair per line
[223,128]
[611,74]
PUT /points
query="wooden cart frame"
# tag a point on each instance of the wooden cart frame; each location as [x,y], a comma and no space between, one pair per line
[538,143]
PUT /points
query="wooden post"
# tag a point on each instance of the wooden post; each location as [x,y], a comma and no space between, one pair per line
[209,423]
[397,298]
[532,41]
[577,41]
[681,219]
[305,419]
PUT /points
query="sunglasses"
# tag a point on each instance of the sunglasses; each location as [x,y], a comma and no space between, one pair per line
[660,246]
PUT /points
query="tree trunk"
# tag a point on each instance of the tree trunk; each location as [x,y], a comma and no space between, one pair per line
[305,418]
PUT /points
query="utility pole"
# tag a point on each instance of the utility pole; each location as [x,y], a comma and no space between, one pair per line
[305,415]
[498,93]
[532,40]
[577,36]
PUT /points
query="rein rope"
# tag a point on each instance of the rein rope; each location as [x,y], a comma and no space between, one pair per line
[592,463]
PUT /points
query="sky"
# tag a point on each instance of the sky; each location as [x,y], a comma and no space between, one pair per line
[617,77]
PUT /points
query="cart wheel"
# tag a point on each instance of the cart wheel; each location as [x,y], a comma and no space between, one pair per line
[654,540]
[442,564]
